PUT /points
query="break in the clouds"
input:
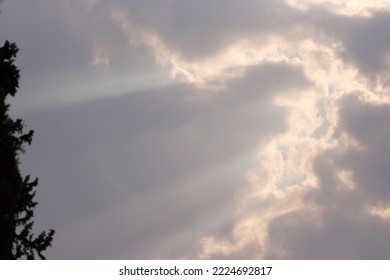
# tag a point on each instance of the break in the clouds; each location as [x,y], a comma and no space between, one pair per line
[207,129]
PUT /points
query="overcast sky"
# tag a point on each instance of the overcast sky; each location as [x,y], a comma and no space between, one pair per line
[224,129]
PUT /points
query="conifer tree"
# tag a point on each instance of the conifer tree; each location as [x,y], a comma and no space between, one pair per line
[17,240]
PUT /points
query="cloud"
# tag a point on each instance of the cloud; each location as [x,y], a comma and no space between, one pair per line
[347,8]
[166,162]
[65,61]
[177,22]
[243,34]
[336,184]
[341,213]
[195,129]
[350,222]
[367,123]
[220,29]
[365,42]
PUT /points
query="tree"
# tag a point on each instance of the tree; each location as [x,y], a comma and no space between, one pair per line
[16,192]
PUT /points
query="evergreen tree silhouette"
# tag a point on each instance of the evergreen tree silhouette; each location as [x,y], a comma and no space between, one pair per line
[17,240]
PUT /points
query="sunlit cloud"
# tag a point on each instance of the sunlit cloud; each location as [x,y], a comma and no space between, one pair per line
[380,211]
[285,163]
[347,8]
[217,126]
[346,180]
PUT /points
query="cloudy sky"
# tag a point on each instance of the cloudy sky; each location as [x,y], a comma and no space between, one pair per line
[224,129]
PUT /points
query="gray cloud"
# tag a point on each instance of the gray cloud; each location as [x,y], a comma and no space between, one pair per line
[369,125]
[147,173]
[58,42]
[198,29]
[144,167]
[339,237]
[365,41]
[343,228]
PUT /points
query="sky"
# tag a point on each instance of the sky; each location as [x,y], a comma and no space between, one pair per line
[224,129]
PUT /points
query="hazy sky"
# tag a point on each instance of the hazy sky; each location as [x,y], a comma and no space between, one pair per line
[229,129]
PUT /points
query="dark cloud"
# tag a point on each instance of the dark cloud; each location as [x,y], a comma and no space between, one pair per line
[365,40]
[222,23]
[338,237]
[369,125]
[198,29]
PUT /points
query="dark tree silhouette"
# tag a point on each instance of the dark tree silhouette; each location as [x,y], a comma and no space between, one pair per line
[16,192]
